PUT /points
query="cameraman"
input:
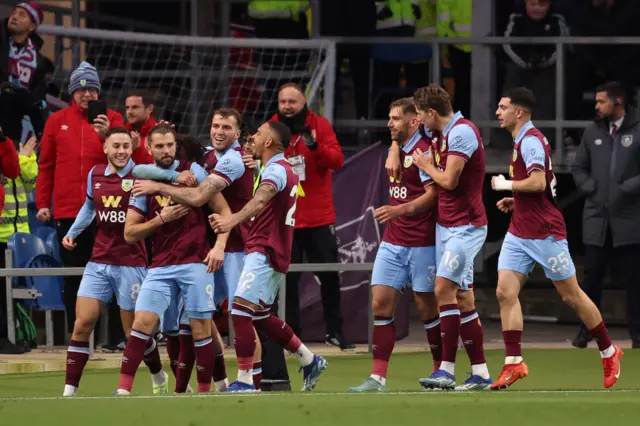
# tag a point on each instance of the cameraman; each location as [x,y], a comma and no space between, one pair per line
[23,85]
[314,153]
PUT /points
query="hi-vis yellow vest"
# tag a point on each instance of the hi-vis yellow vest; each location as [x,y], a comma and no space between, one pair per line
[14,216]
[277,9]
[426,25]
[401,14]
[454,20]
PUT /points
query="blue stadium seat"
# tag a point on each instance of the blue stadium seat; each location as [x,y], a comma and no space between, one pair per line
[53,245]
[25,247]
[44,232]
[50,287]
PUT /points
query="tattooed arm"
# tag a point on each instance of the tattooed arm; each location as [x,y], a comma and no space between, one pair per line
[221,224]
[194,197]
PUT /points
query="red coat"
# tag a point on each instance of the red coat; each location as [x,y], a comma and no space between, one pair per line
[9,165]
[69,149]
[141,155]
[316,207]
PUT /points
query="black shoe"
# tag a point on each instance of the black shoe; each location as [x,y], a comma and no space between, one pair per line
[337,339]
[8,348]
[110,349]
[161,339]
[582,339]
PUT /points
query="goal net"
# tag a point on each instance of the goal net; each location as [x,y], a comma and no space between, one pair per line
[190,77]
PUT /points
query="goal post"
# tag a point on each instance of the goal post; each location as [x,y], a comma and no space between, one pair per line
[190,77]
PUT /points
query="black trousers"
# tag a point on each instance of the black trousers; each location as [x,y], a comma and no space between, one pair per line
[320,246]
[623,262]
[461,70]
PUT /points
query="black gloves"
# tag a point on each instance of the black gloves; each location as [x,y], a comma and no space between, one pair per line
[309,141]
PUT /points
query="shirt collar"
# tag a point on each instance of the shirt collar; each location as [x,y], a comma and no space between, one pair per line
[123,172]
[412,142]
[617,123]
[174,165]
[527,126]
[234,145]
[275,158]
[457,116]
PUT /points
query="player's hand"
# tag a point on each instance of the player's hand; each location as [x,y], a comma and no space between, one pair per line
[187,178]
[68,243]
[221,224]
[101,124]
[392,165]
[214,259]
[506,205]
[385,214]
[249,162]
[422,160]
[145,187]
[173,212]
[27,149]
[135,140]
[44,215]
[500,183]
[166,123]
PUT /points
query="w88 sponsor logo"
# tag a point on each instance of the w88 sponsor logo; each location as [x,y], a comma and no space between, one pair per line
[398,192]
[112,216]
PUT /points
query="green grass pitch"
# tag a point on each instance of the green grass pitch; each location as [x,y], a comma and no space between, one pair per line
[564,388]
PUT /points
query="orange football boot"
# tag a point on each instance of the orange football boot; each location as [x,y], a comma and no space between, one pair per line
[612,367]
[510,374]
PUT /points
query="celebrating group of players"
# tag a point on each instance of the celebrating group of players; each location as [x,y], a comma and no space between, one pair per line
[436,225]
[187,278]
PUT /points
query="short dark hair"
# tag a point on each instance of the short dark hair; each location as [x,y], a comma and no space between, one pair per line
[229,112]
[613,89]
[522,97]
[147,96]
[116,131]
[407,105]
[160,129]
[281,132]
[294,85]
[433,97]
[189,148]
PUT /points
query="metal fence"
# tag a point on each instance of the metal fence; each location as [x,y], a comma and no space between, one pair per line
[21,293]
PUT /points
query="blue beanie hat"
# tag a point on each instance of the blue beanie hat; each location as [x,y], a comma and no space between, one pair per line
[84,77]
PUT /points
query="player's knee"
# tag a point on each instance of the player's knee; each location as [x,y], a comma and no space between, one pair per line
[466,300]
[144,321]
[83,326]
[382,307]
[506,294]
[200,328]
[427,305]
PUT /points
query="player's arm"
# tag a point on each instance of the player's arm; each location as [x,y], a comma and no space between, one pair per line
[423,203]
[219,205]
[85,215]
[264,194]
[195,197]
[534,157]
[136,227]
[274,180]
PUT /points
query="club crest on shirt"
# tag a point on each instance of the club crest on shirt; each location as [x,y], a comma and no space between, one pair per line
[408,161]
[515,155]
[443,145]
[626,140]
[127,184]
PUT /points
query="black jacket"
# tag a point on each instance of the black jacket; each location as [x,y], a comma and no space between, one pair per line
[531,56]
[15,104]
[607,170]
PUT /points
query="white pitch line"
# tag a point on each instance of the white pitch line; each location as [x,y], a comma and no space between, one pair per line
[311,394]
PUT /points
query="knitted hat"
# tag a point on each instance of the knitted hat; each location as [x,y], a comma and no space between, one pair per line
[34,11]
[84,77]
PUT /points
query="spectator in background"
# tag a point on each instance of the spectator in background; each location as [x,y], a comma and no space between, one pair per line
[607,170]
[70,148]
[354,18]
[314,152]
[533,65]
[139,111]
[279,19]
[22,75]
[9,168]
